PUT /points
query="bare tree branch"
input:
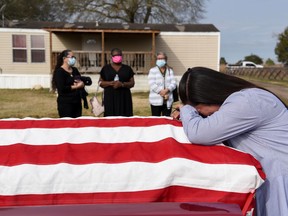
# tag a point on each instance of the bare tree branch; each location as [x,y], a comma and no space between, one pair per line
[131,11]
[142,11]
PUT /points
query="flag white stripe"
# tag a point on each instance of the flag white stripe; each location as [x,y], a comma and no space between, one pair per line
[125,177]
[55,136]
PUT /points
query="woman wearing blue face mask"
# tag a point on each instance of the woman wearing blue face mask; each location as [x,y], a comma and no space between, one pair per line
[66,80]
[162,83]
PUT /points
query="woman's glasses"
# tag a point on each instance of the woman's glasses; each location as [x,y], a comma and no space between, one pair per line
[71,57]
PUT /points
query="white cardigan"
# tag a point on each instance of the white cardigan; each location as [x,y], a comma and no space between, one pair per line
[158,83]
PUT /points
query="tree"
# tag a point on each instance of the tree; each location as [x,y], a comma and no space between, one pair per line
[269,62]
[40,10]
[130,11]
[138,11]
[223,61]
[281,49]
[254,58]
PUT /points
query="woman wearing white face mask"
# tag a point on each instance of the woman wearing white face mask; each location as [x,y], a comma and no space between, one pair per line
[162,83]
[66,80]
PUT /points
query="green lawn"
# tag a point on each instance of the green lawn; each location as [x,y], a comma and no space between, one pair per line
[20,103]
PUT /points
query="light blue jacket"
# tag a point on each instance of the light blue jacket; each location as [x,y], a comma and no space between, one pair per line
[256,122]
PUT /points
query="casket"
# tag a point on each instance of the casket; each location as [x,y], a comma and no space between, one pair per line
[118,160]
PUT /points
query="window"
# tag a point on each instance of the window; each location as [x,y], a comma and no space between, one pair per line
[37,48]
[19,48]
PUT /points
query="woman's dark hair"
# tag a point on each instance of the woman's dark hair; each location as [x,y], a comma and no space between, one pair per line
[59,63]
[207,86]
[116,50]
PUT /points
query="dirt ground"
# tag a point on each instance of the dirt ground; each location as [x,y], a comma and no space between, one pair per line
[281,91]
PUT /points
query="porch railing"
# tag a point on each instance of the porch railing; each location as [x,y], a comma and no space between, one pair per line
[91,61]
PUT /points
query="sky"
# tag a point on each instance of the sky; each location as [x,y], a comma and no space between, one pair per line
[247,26]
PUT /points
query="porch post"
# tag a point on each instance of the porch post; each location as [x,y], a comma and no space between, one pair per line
[153,49]
[103,49]
[51,51]
[51,58]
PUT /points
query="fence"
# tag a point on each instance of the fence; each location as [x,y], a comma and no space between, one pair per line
[268,73]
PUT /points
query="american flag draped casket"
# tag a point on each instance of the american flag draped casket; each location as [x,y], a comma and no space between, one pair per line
[117,160]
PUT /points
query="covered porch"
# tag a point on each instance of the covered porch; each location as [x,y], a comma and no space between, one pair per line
[92,47]
[91,62]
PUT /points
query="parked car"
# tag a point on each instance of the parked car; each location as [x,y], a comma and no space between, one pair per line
[244,64]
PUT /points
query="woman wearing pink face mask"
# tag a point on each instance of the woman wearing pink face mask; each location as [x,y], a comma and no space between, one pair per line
[117,79]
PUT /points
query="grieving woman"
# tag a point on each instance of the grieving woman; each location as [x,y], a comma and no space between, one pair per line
[221,108]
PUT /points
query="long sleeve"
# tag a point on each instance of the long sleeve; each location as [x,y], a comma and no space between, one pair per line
[171,81]
[157,83]
[236,116]
[155,80]
[254,121]
[61,81]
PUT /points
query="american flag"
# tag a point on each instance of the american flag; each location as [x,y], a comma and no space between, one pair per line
[91,160]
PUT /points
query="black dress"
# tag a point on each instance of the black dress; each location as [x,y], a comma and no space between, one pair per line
[117,102]
[68,100]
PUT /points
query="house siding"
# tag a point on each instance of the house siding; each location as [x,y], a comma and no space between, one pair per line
[185,47]
[129,42]
[62,41]
[92,42]
[186,50]
[6,55]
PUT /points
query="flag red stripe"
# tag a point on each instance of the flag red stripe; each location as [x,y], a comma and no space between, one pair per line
[170,194]
[117,153]
[87,122]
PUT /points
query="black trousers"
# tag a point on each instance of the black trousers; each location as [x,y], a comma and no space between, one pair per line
[160,110]
[72,110]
